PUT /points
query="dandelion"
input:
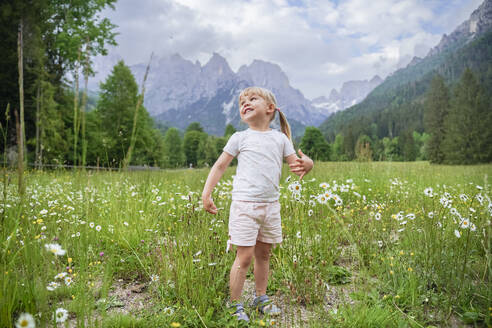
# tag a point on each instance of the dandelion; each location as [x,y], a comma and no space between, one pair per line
[55,249]
[61,315]
[98,228]
[25,320]
[457,234]
[410,269]
[154,278]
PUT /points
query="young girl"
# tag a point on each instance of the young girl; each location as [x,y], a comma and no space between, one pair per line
[254,220]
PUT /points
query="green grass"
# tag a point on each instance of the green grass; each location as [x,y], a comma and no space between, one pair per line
[378,258]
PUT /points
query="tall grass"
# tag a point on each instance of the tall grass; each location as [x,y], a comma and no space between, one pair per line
[403,255]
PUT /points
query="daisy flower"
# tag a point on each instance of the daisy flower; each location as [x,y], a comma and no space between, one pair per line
[98,228]
[91,224]
[465,223]
[25,320]
[68,281]
[61,315]
[154,278]
[52,286]
[377,217]
[324,185]
[322,199]
[429,192]
[310,212]
[457,234]
[55,249]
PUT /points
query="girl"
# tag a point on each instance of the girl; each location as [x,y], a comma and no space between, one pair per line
[254,219]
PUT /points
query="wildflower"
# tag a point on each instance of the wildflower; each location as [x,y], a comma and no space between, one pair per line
[91,225]
[310,212]
[125,223]
[295,187]
[68,281]
[175,324]
[43,212]
[322,199]
[212,264]
[472,227]
[410,269]
[69,260]
[25,320]
[154,278]
[52,286]
[288,178]
[168,310]
[479,197]
[464,197]
[324,185]
[399,216]
[465,223]
[61,275]
[101,254]
[61,315]
[457,233]
[479,187]
[430,215]
[429,192]
[377,217]
[55,249]
[298,234]
[98,228]
[380,243]
[392,272]
[410,216]
[444,201]
[312,203]
[454,211]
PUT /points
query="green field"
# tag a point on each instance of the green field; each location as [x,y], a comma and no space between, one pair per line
[365,245]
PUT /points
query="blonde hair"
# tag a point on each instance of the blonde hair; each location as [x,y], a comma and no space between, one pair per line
[270,99]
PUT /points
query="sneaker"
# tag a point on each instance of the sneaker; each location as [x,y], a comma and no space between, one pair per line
[239,312]
[265,306]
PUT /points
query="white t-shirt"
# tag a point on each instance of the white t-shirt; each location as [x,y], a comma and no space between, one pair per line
[260,156]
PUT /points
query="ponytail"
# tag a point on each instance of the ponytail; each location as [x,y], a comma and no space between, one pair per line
[284,125]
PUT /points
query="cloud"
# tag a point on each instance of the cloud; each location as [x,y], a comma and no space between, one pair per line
[318,43]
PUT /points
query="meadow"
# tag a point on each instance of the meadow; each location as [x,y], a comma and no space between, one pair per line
[365,245]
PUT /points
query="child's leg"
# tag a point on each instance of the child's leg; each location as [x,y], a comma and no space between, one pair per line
[262,266]
[244,255]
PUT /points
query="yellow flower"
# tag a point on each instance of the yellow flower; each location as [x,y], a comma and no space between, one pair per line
[262,323]
[397,296]
[175,324]
[402,252]
[37,237]
[69,260]
[412,254]
[391,272]
[410,269]
[39,221]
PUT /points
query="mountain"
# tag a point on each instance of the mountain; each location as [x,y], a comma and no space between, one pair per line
[179,92]
[396,104]
[351,93]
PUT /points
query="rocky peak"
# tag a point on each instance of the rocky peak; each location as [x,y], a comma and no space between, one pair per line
[480,21]
[264,74]
[217,65]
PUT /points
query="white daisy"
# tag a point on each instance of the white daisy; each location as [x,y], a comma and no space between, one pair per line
[61,275]
[298,234]
[430,215]
[429,192]
[322,199]
[91,224]
[410,216]
[377,217]
[25,320]
[68,281]
[61,315]
[463,197]
[324,185]
[168,310]
[55,249]
[457,234]
[154,278]
[52,286]
[310,212]
[98,228]
[465,223]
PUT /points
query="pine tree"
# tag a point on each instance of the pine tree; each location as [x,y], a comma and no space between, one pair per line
[436,110]
[468,133]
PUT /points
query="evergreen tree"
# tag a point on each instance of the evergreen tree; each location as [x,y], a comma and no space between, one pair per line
[229,130]
[173,149]
[194,126]
[117,103]
[468,136]
[314,145]
[338,153]
[190,145]
[407,147]
[436,110]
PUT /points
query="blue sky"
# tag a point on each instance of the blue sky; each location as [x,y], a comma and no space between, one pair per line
[318,43]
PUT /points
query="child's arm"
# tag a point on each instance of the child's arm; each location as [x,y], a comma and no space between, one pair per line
[300,166]
[213,177]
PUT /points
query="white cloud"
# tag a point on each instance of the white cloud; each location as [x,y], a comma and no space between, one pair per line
[318,43]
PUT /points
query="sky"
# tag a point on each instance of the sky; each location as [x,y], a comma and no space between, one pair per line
[319,44]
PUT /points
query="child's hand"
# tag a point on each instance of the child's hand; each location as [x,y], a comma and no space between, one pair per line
[302,165]
[208,205]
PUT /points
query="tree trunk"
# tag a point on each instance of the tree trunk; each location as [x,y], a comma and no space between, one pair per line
[38,100]
[84,104]
[128,156]
[76,123]
[20,124]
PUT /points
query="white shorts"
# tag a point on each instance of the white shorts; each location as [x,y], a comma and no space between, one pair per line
[252,221]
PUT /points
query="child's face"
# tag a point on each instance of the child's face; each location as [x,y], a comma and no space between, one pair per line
[254,108]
